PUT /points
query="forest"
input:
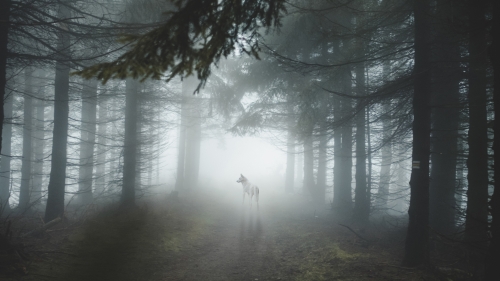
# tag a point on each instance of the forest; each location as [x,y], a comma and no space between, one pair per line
[360,133]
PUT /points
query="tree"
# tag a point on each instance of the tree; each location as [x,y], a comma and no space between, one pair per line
[190,41]
[476,223]
[4,35]
[130,145]
[87,142]
[57,182]
[417,240]
[26,182]
[5,169]
[492,271]
[446,74]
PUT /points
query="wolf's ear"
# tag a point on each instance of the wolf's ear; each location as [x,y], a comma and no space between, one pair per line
[241,174]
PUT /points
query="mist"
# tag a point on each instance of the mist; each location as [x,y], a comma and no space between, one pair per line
[249,140]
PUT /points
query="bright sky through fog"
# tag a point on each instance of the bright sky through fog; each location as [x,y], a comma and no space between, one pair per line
[221,162]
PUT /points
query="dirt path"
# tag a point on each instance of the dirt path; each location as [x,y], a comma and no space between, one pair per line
[214,239]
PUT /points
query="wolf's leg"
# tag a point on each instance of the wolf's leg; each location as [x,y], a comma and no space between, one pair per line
[243,197]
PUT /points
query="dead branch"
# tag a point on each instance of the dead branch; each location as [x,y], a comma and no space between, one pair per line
[43,227]
[361,237]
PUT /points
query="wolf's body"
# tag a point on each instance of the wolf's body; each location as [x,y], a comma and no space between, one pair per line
[249,188]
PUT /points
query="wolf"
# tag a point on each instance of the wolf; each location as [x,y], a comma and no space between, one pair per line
[249,189]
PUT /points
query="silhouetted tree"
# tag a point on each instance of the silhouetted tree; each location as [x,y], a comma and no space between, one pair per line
[417,240]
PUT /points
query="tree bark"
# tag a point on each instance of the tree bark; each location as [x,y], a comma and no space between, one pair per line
[4,35]
[386,154]
[346,150]
[476,217]
[87,143]
[57,182]
[322,154]
[417,240]
[181,155]
[492,270]
[309,184]
[100,182]
[193,142]
[299,167]
[290,153]
[39,144]
[6,158]
[361,211]
[130,146]
[25,189]
[446,74]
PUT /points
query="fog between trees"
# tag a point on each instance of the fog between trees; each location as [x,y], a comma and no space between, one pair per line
[368,109]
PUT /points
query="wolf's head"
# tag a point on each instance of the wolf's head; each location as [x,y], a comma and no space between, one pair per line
[241,179]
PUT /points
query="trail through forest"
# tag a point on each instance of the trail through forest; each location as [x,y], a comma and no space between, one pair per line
[213,237]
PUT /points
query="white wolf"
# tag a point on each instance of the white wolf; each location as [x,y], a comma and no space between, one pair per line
[250,189]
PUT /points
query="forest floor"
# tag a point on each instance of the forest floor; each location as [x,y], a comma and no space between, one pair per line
[214,237]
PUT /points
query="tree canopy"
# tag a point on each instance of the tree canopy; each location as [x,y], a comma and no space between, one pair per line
[195,35]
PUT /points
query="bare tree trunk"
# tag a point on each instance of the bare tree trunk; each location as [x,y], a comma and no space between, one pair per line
[57,182]
[4,35]
[492,271]
[188,160]
[290,154]
[476,218]
[361,211]
[100,182]
[87,143]
[140,141]
[417,238]
[181,156]
[385,169]
[346,150]
[39,144]
[446,75]
[299,180]
[25,189]
[5,158]
[130,145]
[337,159]
[309,184]
[322,157]
[193,143]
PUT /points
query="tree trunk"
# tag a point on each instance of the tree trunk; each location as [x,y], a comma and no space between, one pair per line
[188,160]
[88,130]
[39,144]
[130,145]
[4,34]
[337,159]
[361,211]
[299,179]
[57,182]
[386,151]
[25,189]
[100,182]
[346,150]
[445,121]
[417,237]
[476,217]
[322,155]
[290,153]
[309,184]
[193,141]
[492,270]
[181,156]
[6,158]
[140,139]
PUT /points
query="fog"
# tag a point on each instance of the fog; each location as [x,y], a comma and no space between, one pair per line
[361,125]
